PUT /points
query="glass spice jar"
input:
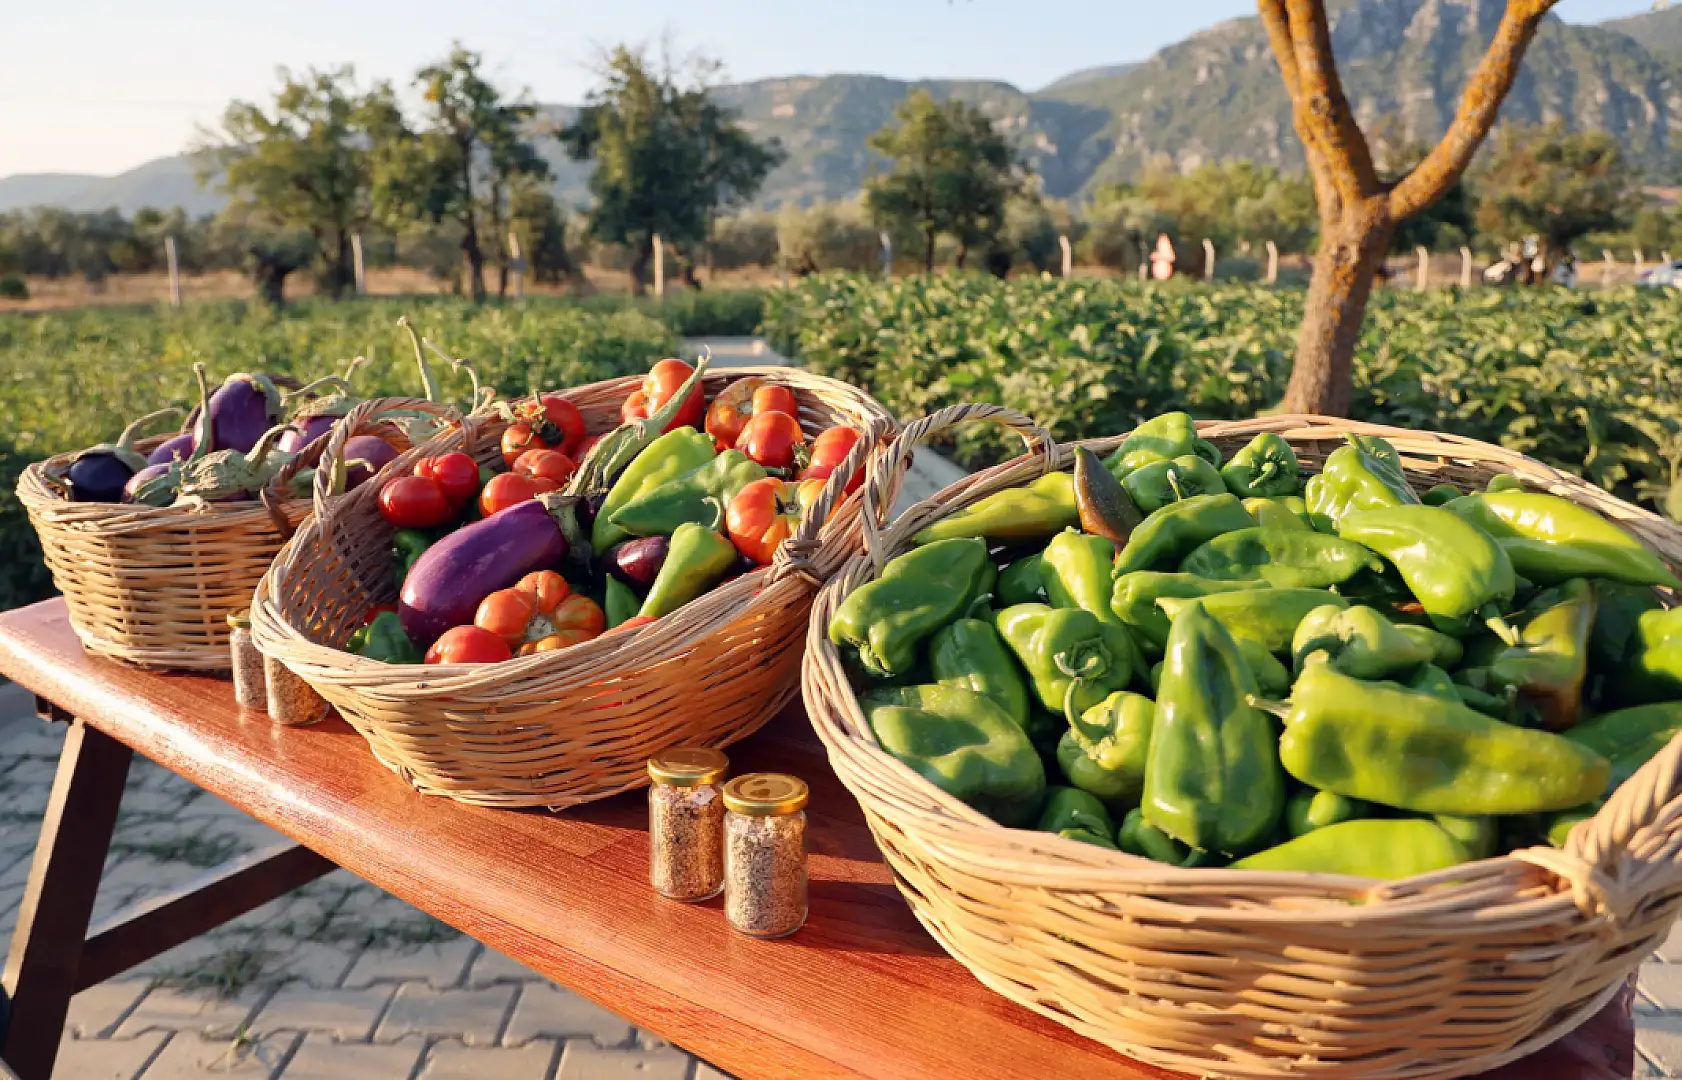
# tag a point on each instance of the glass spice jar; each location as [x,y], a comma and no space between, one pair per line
[765,854]
[686,823]
[292,701]
[247,663]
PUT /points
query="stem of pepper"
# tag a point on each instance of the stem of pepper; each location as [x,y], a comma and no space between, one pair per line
[1173,479]
[1268,705]
[1500,627]
[1098,657]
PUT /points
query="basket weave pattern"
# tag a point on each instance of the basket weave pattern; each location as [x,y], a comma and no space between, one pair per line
[564,727]
[1262,975]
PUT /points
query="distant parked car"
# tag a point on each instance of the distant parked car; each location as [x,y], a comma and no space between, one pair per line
[1665,274]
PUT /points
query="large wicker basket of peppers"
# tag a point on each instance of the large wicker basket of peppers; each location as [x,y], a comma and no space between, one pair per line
[522,612]
[1284,747]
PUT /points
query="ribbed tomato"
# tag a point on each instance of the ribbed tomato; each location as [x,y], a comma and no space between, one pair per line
[761,517]
[770,438]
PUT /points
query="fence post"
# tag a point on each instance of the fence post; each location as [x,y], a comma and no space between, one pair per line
[174,272]
[1465,267]
[356,264]
[1639,262]
[1068,254]
[1608,263]
[1208,259]
[1272,263]
[517,263]
[1424,281]
[659,267]
[1665,255]
[887,254]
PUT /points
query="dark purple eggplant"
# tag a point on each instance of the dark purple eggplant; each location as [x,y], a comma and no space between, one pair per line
[638,562]
[365,455]
[100,473]
[446,584]
[305,431]
[160,488]
[176,446]
[241,409]
[141,477]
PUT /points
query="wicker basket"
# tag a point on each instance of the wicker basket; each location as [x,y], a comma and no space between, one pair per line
[1249,974]
[154,585]
[560,728]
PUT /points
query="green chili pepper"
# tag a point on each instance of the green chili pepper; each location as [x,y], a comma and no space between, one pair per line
[1207,450]
[1212,779]
[1068,808]
[1153,486]
[1387,849]
[1073,659]
[666,458]
[620,602]
[1087,837]
[1265,467]
[1364,475]
[1550,539]
[1019,583]
[407,546]
[1042,509]
[700,495]
[1440,495]
[917,594]
[1134,596]
[1309,810]
[1284,512]
[697,559]
[969,653]
[1161,438]
[1504,482]
[1103,751]
[1172,533]
[1104,506]
[1548,665]
[1272,678]
[1284,558]
[1656,626]
[1266,616]
[1433,680]
[1647,675]
[1075,572]
[1138,837]
[1386,744]
[1478,835]
[1629,738]
[386,642]
[1451,565]
[1559,826]
[1357,641]
[963,743]
[1445,651]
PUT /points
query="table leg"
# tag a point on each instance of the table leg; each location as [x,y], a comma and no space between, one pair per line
[41,971]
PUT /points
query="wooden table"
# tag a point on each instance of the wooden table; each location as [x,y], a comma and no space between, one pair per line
[861,991]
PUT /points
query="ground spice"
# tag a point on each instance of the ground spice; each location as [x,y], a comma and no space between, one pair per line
[686,823]
[765,854]
[250,687]
[292,702]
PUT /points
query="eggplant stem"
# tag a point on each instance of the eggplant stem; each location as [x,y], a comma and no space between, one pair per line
[315,388]
[201,437]
[429,385]
[125,441]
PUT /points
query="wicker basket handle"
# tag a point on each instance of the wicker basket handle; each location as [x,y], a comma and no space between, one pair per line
[794,555]
[885,477]
[364,414]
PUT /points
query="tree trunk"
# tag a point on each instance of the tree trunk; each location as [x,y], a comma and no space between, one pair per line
[342,268]
[641,255]
[963,253]
[470,237]
[928,249]
[1351,251]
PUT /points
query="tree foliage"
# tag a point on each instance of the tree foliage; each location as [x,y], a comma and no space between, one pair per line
[1560,186]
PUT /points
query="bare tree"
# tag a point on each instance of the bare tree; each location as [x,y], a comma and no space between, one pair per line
[1359,211]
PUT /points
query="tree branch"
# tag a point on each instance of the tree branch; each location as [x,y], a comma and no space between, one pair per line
[1485,91]
[1321,107]
[1278,26]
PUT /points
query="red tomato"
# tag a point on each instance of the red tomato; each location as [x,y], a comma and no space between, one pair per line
[829,450]
[551,465]
[577,618]
[415,502]
[567,421]
[634,409]
[455,472]
[519,438]
[506,613]
[760,518]
[505,490]
[664,379]
[774,398]
[770,438]
[633,622]
[468,645]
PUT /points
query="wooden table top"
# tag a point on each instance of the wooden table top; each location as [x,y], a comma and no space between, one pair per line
[861,991]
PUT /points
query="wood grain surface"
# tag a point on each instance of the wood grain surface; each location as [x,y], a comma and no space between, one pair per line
[861,991]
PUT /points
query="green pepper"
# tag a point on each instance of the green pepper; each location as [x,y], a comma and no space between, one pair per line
[1549,539]
[1309,810]
[1072,808]
[1477,834]
[666,458]
[1283,512]
[917,594]
[1175,531]
[1364,475]
[1629,738]
[1440,495]
[1138,837]
[1445,651]
[700,495]
[1161,438]
[1265,467]
[1272,678]
[1134,596]
[1075,571]
[1284,558]
[1086,836]
[1387,849]
[963,743]
[1153,486]
[1103,751]
[620,602]
[1647,675]
[1559,826]
[386,642]
[1548,665]
[697,559]
[1656,626]
[1207,450]
[1386,744]
[407,545]
[1042,509]
[1504,482]
[1489,704]
[1104,506]
[1073,659]
[969,653]
[1212,779]
[1451,565]
[1433,680]
[1019,583]
[1357,641]
[1267,616]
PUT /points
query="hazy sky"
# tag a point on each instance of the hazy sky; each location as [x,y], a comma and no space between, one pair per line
[100,86]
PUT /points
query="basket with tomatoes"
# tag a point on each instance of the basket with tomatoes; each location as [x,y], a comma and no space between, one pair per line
[520,613]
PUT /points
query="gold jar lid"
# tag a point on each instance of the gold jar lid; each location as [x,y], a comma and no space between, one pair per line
[239,620]
[688,766]
[765,794]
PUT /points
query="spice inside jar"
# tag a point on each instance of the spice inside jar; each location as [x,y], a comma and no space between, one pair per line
[292,701]
[765,854]
[686,823]
[250,686]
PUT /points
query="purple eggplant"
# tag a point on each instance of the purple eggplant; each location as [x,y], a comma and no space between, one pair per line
[637,562]
[305,431]
[241,409]
[141,477]
[176,446]
[100,473]
[446,584]
[365,455]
